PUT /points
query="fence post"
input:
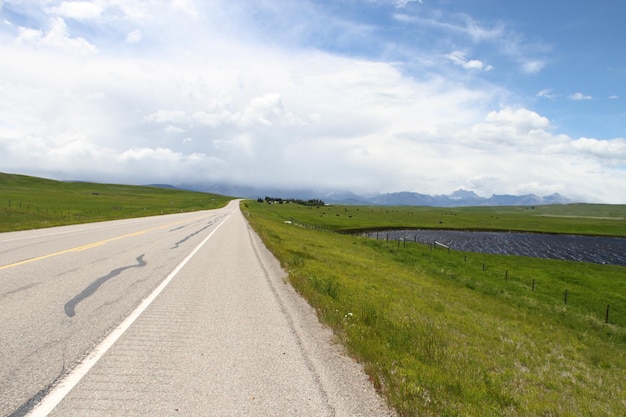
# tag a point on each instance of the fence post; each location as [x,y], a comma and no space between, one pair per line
[565,300]
[483,267]
[606,320]
[533,284]
[506,275]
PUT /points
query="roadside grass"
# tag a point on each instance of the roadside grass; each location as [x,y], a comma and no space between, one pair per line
[439,336]
[32,203]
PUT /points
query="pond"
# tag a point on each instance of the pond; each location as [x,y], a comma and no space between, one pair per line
[600,250]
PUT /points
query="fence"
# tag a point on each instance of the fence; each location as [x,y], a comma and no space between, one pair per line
[603,310]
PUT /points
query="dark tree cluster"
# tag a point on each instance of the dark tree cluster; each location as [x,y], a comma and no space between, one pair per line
[277,200]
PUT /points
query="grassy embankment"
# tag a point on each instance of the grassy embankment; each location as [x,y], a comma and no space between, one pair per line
[31,203]
[441,337]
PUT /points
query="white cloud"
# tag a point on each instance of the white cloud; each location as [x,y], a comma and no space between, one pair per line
[609,152]
[536,188]
[81,10]
[134,36]
[28,35]
[56,37]
[167,116]
[459,58]
[174,130]
[403,3]
[522,119]
[480,33]
[579,97]
[155,154]
[214,119]
[533,66]
[547,93]
[504,39]
[267,110]
[186,6]
[460,24]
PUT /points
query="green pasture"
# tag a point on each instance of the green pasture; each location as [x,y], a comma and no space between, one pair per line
[31,203]
[589,219]
[462,334]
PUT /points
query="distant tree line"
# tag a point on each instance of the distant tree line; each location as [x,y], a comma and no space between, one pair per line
[277,200]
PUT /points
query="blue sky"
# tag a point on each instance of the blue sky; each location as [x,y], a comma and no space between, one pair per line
[370,96]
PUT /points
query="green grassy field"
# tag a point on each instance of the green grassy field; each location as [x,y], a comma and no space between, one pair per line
[589,219]
[440,336]
[31,203]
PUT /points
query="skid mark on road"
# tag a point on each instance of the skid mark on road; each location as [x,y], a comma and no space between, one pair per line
[70,306]
[191,235]
[209,224]
[17,290]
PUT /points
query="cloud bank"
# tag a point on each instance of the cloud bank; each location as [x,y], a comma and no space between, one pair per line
[185,92]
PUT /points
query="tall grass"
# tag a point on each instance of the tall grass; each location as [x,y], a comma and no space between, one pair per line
[440,336]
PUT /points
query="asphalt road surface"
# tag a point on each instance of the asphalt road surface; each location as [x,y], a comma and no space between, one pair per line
[176,315]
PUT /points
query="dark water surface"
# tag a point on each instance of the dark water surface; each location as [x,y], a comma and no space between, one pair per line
[600,250]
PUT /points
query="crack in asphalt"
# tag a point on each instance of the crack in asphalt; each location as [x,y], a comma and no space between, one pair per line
[70,306]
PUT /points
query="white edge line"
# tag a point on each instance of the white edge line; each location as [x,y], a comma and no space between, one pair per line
[58,393]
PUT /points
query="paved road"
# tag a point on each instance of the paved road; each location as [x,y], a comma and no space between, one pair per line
[173,315]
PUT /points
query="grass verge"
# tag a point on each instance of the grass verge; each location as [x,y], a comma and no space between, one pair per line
[439,336]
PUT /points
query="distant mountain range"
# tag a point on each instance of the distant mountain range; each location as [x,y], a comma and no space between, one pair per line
[459,198]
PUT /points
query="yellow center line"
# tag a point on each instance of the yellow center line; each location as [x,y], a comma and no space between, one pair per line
[91,245]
